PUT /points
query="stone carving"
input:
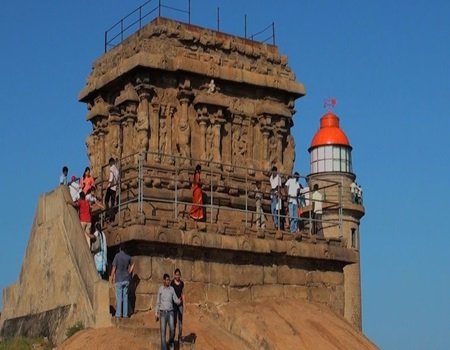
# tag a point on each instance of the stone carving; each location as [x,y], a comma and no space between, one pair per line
[163,137]
[210,147]
[289,154]
[239,145]
[273,151]
[184,139]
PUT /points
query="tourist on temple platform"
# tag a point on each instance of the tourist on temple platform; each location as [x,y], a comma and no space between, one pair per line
[63,177]
[113,181]
[92,199]
[99,249]
[196,211]
[293,190]
[122,268]
[360,194]
[74,188]
[164,311]
[84,211]
[86,181]
[178,309]
[260,218]
[317,200]
[275,195]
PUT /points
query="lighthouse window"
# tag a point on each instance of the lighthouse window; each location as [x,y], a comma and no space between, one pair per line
[321,152]
[336,165]
[328,152]
[328,165]
[336,152]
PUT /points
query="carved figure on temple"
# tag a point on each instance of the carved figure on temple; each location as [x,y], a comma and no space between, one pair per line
[162,137]
[209,144]
[273,152]
[289,154]
[183,140]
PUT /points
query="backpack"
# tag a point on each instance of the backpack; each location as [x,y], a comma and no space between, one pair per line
[96,245]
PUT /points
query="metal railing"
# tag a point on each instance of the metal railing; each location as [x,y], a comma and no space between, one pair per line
[152,9]
[136,19]
[181,175]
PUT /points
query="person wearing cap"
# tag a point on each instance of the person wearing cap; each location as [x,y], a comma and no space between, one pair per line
[293,189]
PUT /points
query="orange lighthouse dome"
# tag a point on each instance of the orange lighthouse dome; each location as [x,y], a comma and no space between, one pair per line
[329,133]
[330,150]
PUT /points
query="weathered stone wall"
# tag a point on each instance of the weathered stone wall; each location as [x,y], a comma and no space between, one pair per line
[58,284]
[217,282]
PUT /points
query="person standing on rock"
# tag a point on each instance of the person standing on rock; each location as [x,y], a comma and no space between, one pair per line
[164,311]
[120,277]
[178,286]
[63,178]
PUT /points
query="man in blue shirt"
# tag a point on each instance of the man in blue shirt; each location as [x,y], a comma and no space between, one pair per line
[164,311]
[120,276]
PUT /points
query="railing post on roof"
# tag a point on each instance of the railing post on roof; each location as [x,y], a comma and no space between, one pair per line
[140,17]
[106,41]
[273,33]
[189,11]
[218,19]
[245,26]
[159,8]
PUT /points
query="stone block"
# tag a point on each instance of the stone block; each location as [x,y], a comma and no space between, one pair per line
[143,266]
[288,275]
[246,275]
[270,274]
[148,287]
[217,294]
[240,294]
[326,277]
[195,292]
[295,292]
[144,302]
[200,271]
[267,291]
[160,266]
[219,273]
[320,295]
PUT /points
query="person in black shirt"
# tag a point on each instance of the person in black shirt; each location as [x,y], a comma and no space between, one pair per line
[178,285]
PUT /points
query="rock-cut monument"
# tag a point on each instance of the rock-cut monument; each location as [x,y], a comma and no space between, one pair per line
[169,97]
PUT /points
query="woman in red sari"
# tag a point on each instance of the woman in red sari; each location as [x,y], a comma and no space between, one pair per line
[196,211]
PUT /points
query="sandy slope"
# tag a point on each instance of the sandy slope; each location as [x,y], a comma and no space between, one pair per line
[270,324]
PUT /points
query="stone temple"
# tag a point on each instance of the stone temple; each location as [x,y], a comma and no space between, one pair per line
[169,97]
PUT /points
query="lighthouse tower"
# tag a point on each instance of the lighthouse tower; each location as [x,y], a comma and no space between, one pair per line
[331,169]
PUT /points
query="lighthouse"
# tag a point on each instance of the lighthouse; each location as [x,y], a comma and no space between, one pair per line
[331,169]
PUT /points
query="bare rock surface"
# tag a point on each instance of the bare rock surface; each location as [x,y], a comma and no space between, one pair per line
[269,324]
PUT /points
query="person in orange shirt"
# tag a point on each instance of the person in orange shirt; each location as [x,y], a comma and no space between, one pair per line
[86,181]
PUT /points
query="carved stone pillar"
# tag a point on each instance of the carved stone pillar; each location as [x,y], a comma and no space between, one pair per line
[114,138]
[202,117]
[127,102]
[182,127]
[279,135]
[145,92]
[154,131]
[217,132]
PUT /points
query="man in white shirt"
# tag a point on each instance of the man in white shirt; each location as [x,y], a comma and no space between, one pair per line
[275,195]
[293,189]
[317,200]
[74,189]
[113,181]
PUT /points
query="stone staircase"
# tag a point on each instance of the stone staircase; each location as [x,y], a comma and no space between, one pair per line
[142,325]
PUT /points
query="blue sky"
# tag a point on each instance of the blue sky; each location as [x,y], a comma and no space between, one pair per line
[386,62]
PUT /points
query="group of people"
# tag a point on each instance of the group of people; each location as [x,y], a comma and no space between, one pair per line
[357,193]
[295,194]
[82,191]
